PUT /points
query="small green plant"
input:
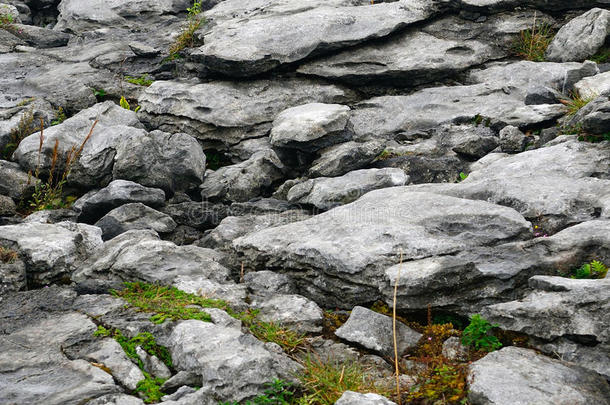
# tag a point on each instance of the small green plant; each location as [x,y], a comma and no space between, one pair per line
[576,102]
[24,128]
[99,94]
[186,38]
[594,269]
[7,21]
[7,255]
[150,388]
[463,176]
[325,382]
[531,44]
[60,116]
[442,383]
[125,104]
[143,80]
[477,335]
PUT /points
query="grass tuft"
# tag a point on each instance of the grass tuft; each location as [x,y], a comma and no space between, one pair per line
[325,382]
[7,255]
[531,44]
[602,56]
[576,102]
[143,80]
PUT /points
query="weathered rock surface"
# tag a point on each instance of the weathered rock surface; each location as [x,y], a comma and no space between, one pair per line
[489,275]
[51,252]
[514,375]
[341,159]
[134,216]
[33,367]
[311,127]
[117,149]
[246,180]
[593,86]
[12,276]
[292,311]
[221,114]
[221,356]
[286,38]
[140,255]
[561,309]
[374,331]
[95,204]
[325,193]
[355,398]
[580,38]
[376,227]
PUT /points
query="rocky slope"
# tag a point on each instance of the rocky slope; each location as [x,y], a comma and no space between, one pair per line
[296,160]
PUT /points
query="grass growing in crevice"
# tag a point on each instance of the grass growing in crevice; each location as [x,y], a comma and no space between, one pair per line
[601,56]
[277,392]
[168,302]
[150,386]
[24,128]
[143,80]
[186,39]
[60,116]
[7,255]
[48,194]
[325,382]
[531,44]
[576,102]
[174,304]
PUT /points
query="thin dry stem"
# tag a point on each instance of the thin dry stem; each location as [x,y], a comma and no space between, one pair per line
[397,371]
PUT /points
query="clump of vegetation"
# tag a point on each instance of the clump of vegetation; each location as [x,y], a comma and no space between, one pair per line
[7,21]
[443,382]
[7,255]
[143,80]
[289,340]
[24,128]
[594,269]
[480,120]
[477,335]
[532,43]
[186,38]
[168,302]
[172,303]
[277,392]
[601,56]
[99,94]
[49,194]
[150,386]
[594,138]
[576,102]
[60,116]
[325,382]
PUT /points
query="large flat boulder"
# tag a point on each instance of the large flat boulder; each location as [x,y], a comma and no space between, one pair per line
[269,41]
[352,244]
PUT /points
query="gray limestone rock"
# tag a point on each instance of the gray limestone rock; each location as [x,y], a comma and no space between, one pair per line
[95,204]
[512,140]
[311,127]
[376,228]
[520,376]
[134,216]
[325,193]
[292,311]
[580,38]
[355,398]
[231,365]
[51,252]
[341,159]
[374,331]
